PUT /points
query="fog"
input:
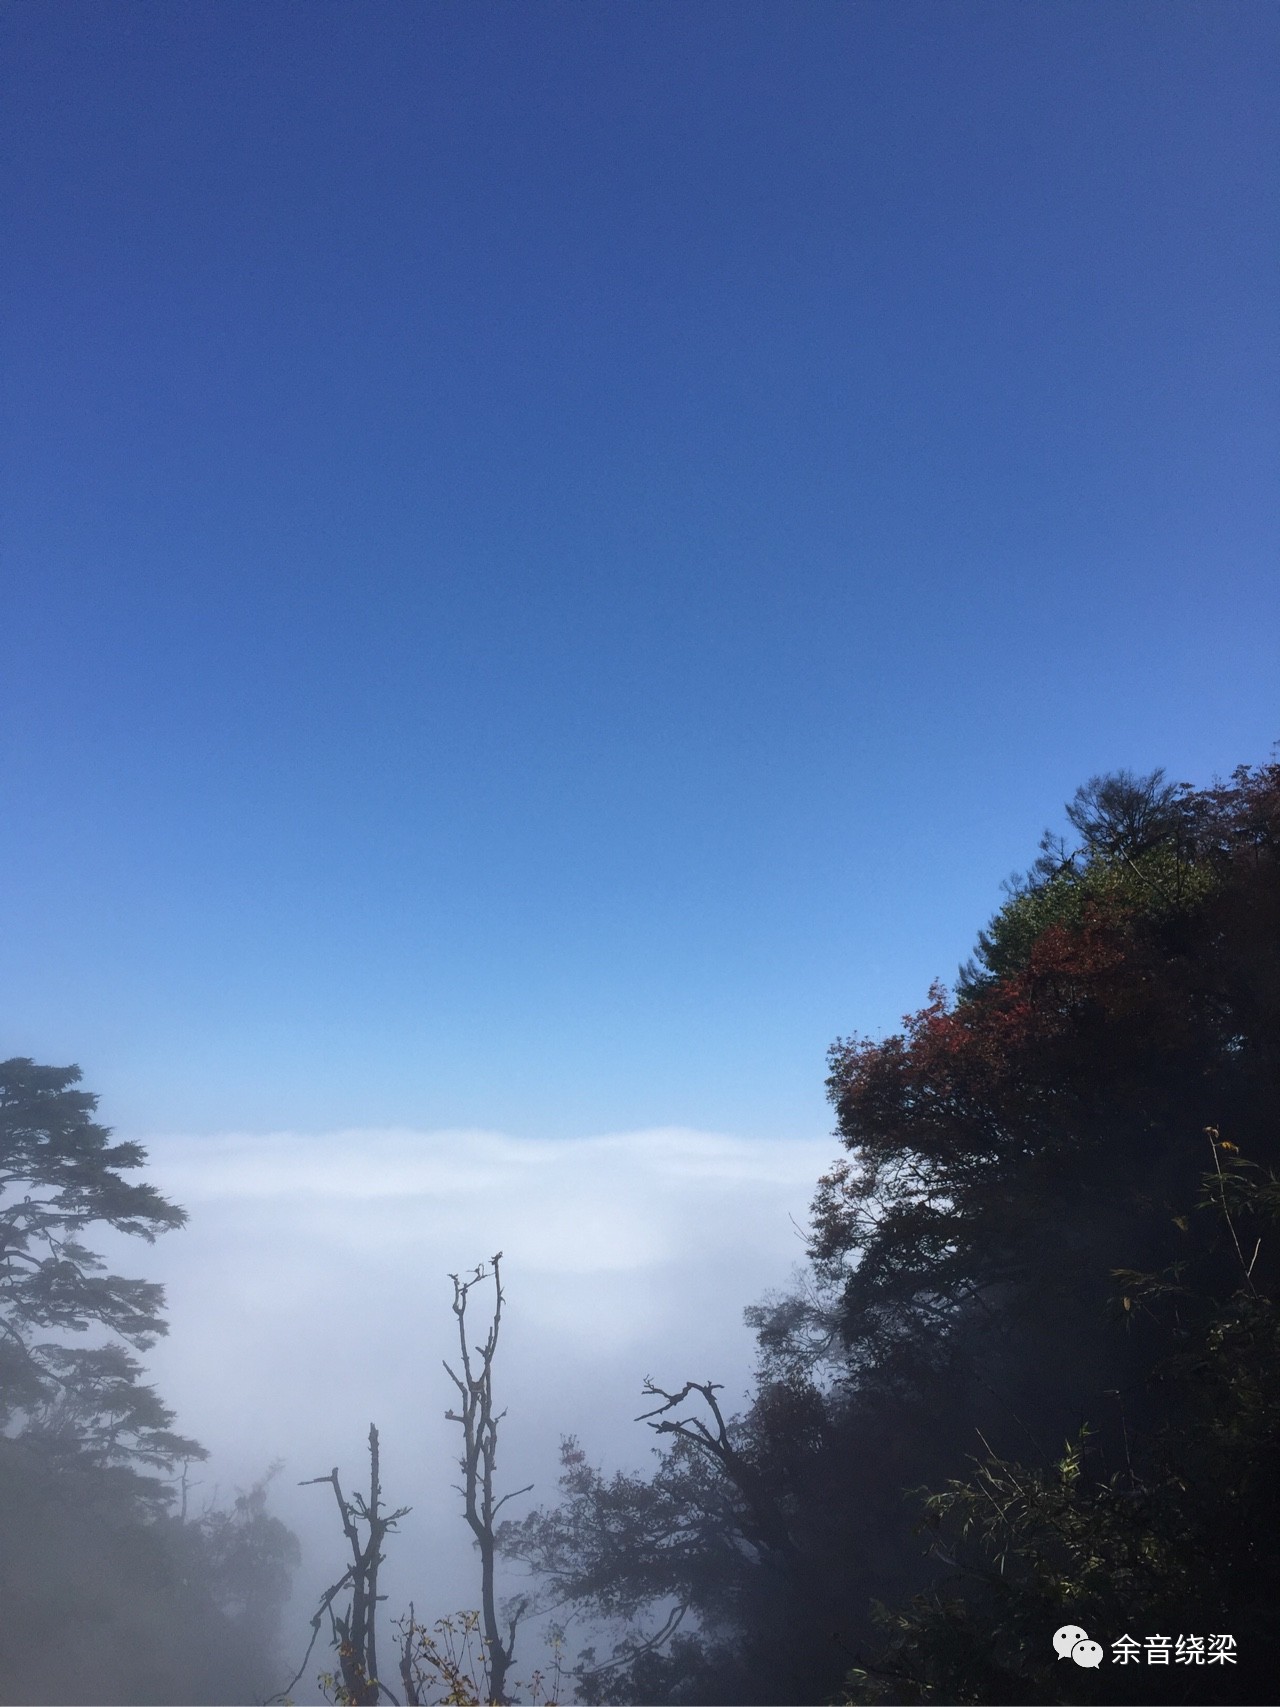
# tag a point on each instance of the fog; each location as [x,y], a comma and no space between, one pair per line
[309,1295]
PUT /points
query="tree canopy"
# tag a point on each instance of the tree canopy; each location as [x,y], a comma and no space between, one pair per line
[1017,1159]
[60,1174]
[108,1593]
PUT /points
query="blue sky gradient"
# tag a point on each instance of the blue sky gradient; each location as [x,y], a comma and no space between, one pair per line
[555,555]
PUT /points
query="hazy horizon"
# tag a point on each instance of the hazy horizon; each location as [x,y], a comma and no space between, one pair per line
[555,558]
[309,1295]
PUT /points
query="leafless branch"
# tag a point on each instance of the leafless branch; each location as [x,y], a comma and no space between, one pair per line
[355,1636]
[479,1424]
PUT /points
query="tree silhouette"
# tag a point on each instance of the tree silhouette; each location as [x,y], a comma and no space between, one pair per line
[1007,1155]
[108,1594]
[479,1424]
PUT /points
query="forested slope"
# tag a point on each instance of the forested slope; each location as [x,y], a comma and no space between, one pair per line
[1042,1284]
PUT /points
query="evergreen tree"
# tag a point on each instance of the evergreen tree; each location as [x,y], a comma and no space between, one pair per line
[59,1175]
[107,1595]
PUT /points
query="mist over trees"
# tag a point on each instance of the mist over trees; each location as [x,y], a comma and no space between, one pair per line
[112,1588]
[1041,1285]
[1029,1376]
[465,1657]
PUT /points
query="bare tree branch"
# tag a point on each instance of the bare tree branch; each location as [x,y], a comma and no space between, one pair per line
[355,1636]
[479,1423]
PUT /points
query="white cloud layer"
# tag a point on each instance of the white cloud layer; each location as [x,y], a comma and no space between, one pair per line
[309,1296]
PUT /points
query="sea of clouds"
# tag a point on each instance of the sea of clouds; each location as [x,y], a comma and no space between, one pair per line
[309,1295]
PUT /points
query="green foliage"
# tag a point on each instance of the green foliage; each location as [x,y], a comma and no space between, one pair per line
[1152,884]
[1180,1540]
[1138,855]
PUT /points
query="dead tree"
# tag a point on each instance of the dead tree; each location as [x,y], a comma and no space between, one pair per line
[479,1424]
[355,1636]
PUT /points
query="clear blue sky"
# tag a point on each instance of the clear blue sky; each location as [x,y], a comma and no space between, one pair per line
[555,554]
